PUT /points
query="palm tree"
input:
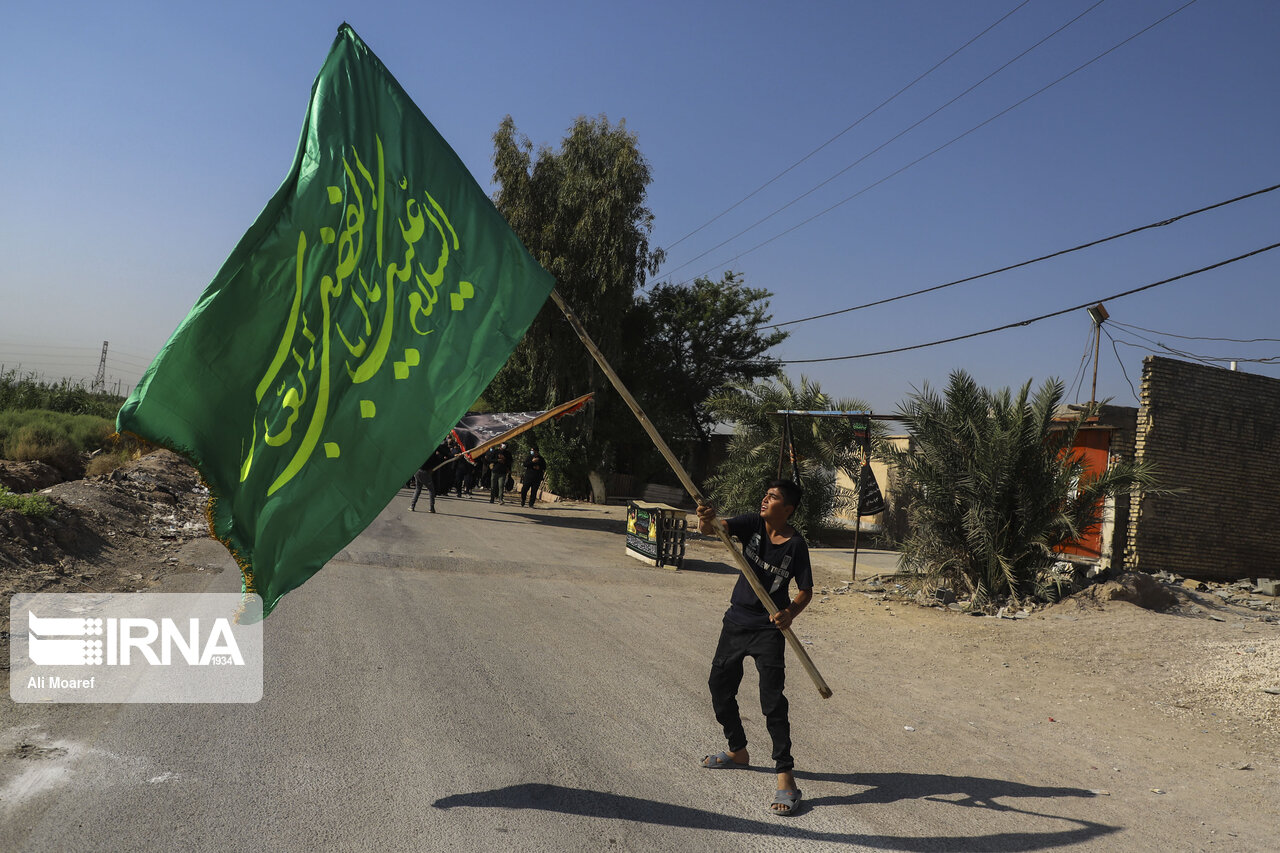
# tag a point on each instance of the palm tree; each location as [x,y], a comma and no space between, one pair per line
[823,446]
[993,487]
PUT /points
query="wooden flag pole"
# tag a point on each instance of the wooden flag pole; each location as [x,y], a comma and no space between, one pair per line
[687,482]
[857,526]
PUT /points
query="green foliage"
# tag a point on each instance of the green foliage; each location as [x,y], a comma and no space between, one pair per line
[55,438]
[32,506]
[992,487]
[689,343]
[19,392]
[823,445]
[581,212]
[564,451]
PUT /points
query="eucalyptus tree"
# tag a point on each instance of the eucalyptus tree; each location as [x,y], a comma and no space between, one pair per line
[581,212]
[992,486]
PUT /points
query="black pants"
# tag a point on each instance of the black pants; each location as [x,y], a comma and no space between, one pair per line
[529,489]
[420,479]
[767,646]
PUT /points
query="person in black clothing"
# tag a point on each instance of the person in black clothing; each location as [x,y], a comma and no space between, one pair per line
[499,467]
[426,476]
[462,469]
[778,554]
[470,473]
[530,481]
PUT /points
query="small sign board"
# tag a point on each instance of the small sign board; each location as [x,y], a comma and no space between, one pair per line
[642,533]
[656,533]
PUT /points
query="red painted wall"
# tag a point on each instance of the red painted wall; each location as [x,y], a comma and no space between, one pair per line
[1095,444]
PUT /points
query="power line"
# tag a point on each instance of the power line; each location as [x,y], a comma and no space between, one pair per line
[948,144]
[59,347]
[1159,348]
[863,118]
[1049,256]
[888,141]
[20,345]
[58,359]
[71,358]
[51,354]
[1078,380]
[1199,337]
[1042,316]
[141,363]
[1120,361]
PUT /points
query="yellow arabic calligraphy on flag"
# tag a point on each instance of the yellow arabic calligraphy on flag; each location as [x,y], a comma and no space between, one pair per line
[359,317]
[366,347]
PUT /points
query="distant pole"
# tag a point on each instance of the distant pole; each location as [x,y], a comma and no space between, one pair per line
[857,525]
[1098,313]
[1097,342]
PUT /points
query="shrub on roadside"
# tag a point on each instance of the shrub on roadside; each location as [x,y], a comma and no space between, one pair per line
[118,450]
[32,506]
[105,463]
[55,438]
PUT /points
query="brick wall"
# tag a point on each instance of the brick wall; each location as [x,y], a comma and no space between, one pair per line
[1216,434]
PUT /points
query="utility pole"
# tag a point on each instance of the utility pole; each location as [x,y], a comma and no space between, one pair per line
[100,379]
[1098,313]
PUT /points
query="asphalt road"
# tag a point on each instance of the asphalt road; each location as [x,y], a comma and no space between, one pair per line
[492,678]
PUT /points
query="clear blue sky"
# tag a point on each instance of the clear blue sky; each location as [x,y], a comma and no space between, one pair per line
[140,140]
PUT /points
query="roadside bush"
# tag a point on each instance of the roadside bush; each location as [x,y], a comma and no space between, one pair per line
[118,450]
[32,506]
[54,438]
[105,463]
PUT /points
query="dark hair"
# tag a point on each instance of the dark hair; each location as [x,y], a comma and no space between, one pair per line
[791,492]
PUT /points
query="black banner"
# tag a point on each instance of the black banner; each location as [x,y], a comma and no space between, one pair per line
[870,501]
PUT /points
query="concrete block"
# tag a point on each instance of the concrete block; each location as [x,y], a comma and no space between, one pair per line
[1267,586]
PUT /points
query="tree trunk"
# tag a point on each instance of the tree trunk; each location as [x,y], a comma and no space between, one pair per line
[598,493]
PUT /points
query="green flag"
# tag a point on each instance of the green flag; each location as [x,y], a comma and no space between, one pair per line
[364,311]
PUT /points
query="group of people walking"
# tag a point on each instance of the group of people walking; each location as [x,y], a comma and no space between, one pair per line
[448,469]
[500,465]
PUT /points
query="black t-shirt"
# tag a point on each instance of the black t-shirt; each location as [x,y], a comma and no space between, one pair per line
[775,567]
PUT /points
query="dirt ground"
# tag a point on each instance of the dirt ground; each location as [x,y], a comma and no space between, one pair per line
[1184,653]
[1193,684]
[118,532]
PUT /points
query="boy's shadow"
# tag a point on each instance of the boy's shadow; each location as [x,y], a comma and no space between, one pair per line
[881,788]
[967,791]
